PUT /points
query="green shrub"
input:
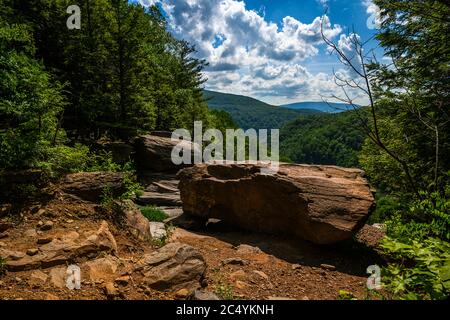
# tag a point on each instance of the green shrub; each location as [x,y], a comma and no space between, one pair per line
[133,188]
[152,213]
[103,161]
[62,159]
[345,295]
[428,217]
[386,206]
[421,269]
[223,288]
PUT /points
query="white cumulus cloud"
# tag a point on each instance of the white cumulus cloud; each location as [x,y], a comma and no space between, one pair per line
[250,55]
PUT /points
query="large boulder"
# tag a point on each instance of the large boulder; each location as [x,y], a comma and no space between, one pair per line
[91,186]
[154,153]
[173,267]
[322,204]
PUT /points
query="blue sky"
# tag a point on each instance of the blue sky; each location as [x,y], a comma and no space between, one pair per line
[270,50]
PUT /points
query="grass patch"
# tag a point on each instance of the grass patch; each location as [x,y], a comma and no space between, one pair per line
[222,287]
[154,214]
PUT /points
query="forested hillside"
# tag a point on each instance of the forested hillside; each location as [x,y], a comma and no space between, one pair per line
[252,113]
[332,139]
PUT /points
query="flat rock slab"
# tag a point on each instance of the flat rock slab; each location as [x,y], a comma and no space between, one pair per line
[173,267]
[322,204]
[91,186]
[160,199]
[62,251]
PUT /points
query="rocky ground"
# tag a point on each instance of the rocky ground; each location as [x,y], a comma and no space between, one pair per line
[43,239]
[122,255]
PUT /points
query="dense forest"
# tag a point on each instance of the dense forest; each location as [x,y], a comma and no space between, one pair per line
[121,74]
[124,74]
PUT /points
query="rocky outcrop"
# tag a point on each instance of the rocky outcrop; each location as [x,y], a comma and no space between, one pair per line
[154,153]
[91,186]
[173,267]
[67,249]
[322,204]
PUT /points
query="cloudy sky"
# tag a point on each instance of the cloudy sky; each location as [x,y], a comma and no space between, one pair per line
[270,50]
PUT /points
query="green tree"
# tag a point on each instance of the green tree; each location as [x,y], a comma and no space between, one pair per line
[30,101]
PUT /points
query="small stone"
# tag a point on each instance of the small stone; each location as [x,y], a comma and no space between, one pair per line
[234,261]
[4,226]
[158,230]
[32,252]
[57,277]
[328,267]
[296,267]
[4,235]
[279,298]
[18,280]
[48,225]
[123,281]
[110,290]
[2,244]
[182,294]
[203,295]
[31,233]
[37,278]
[41,212]
[241,285]
[246,249]
[240,274]
[204,283]
[50,297]
[44,240]
[261,274]
[69,221]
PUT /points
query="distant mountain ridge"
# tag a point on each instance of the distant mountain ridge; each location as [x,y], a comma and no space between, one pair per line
[319,106]
[252,113]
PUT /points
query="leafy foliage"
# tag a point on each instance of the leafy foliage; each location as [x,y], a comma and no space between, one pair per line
[422,270]
[29,100]
[427,217]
